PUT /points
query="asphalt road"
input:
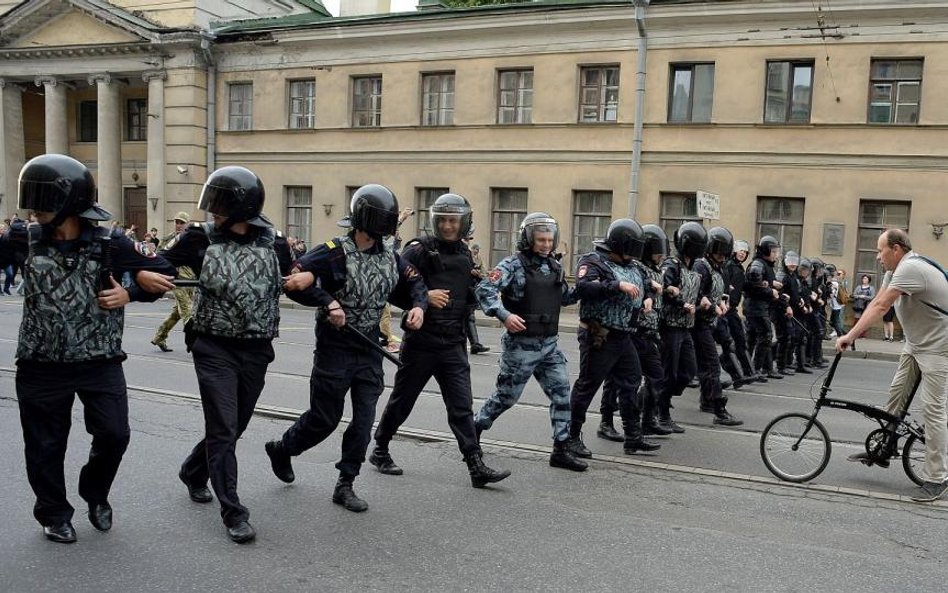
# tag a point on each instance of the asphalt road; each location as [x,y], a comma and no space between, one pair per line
[617,527]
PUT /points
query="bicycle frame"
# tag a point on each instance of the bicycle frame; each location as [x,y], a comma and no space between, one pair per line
[881,416]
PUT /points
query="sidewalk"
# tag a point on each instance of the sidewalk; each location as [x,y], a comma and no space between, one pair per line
[569,321]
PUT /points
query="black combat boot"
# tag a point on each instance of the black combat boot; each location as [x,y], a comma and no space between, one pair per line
[634,443]
[564,458]
[381,459]
[650,424]
[344,495]
[607,430]
[280,461]
[576,445]
[664,417]
[481,475]
[724,418]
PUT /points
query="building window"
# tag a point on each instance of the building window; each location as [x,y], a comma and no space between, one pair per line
[677,208]
[875,217]
[437,99]
[367,102]
[302,108]
[508,206]
[299,211]
[240,106]
[598,93]
[592,213]
[88,121]
[424,198]
[691,93]
[895,91]
[789,92]
[781,218]
[136,120]
[515,97]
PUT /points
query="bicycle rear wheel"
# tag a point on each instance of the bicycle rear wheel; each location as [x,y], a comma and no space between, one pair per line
[913,458]
[793,452]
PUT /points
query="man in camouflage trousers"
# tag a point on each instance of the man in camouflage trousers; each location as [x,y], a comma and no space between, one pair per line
[181,311]
[525,291]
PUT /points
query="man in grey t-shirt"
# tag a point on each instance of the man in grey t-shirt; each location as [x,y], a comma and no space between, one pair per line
[919,292]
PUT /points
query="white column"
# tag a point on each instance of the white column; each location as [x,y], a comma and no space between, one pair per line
[156,149]
[12,147]
[57,132]
[109,145]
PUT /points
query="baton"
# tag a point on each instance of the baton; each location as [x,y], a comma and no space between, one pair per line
[372,344]
[800,323]
[186,282]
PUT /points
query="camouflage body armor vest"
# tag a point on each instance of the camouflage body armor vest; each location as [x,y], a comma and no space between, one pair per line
[62,320]
[618,311]
[240,286]
[717,291]
[370,278]
[690,283]
[649,320]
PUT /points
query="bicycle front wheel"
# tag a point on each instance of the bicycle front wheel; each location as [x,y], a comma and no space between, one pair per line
[793,448]
[913,458]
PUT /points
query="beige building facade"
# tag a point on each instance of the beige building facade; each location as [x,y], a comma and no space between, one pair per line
[822,127]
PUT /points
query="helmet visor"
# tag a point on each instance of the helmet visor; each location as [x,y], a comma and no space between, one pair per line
[378,221]
[443,213]
[43,196]
[218,200]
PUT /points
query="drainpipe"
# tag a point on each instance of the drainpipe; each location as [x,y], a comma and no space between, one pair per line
[641,47]
[211,107]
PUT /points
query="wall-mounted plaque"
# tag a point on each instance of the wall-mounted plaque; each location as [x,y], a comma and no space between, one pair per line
[833,234]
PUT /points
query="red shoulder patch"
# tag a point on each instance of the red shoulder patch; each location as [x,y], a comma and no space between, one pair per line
[582,271]
[495,275]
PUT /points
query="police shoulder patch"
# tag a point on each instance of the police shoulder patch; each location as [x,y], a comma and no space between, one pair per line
[330,244]
[495,275]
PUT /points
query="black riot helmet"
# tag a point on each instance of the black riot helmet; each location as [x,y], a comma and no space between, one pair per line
[691,240]
[831,270]
[59,184]
[237,194]
[720,242]
[451,205]
[766,246]
[656,241]
[625,237]
[805,267]
[374,210]
[537,222]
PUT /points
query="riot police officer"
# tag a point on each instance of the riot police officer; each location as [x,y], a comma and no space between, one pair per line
[785,329]
[761,292]
[526,291]
[733,272]
[611,289]
[712,306]
[357,274]
[235,316]
[70,340]
[437,348]
[681,285]
[647,341]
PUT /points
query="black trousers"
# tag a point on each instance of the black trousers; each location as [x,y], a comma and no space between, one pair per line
[46,393]
[759,337]
[735,326]
[709,366]
[650,361]
[783,336]
[424,356]
[678,358]
[337,370]
[231,375]
[616,361]
[728,356]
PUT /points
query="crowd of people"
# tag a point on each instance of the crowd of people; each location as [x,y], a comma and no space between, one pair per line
[653,314]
